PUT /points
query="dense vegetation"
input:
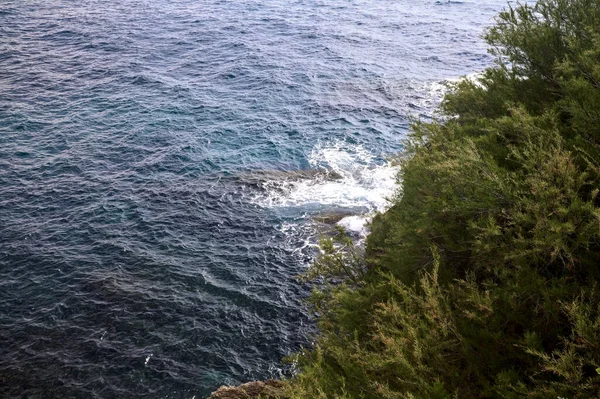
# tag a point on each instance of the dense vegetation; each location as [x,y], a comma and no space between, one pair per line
[481,279]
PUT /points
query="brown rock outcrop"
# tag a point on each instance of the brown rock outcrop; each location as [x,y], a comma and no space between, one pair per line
[271,389]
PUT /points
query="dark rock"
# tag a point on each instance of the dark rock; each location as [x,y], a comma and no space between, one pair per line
[331,218]
[257,177]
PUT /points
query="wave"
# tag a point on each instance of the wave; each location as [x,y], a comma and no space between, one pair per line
[434,91]
[355,181]
[356,178]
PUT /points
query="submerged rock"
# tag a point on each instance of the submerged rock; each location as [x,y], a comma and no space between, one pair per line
[331,218]
[257,177]
[271,389]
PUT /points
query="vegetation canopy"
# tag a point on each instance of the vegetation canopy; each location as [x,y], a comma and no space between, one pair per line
[481,279]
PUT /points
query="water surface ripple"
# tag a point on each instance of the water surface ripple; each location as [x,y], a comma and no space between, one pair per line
[137,257]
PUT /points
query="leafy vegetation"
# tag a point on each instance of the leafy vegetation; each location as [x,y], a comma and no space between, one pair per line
[481,280]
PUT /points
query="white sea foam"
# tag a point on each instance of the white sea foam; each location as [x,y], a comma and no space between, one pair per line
[361,181]
[355,180]
[434,91]
[356,224]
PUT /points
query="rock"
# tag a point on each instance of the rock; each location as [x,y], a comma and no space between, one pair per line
[271,389]
[333,217]
[258,177]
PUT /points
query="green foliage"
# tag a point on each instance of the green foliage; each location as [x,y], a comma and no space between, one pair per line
[481,279]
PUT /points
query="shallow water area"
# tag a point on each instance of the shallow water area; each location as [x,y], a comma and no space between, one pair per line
[152,212]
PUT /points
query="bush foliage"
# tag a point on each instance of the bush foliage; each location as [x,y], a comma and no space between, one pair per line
[481,279]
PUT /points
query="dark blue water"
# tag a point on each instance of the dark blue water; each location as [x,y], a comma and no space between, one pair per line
[149,230]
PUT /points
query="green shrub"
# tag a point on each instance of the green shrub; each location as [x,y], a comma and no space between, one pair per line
[480,281]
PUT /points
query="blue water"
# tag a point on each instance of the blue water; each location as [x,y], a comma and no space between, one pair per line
[148,240]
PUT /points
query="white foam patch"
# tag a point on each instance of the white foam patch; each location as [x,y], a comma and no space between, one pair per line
[434,91]
[363,181]
[355,224]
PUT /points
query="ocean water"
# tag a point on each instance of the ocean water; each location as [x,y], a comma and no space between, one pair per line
[162,164]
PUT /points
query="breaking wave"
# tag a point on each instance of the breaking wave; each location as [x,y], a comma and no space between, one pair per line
[355,182]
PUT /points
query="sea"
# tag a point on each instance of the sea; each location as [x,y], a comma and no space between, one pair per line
[166,167]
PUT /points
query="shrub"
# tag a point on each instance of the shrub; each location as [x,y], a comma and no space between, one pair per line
[480,281]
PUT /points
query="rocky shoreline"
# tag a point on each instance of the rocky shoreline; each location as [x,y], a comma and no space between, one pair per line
[270,389]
